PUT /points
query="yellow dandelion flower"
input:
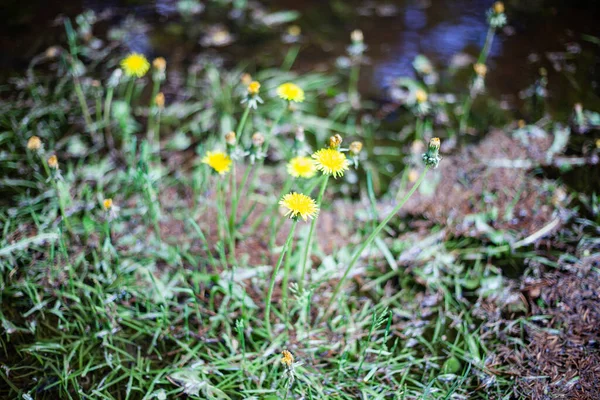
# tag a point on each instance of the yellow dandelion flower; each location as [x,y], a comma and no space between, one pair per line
[53,162]
[421,96]
[107,204]
[218,161]
[299,205]
[331,162]
[287,358]
[135,65]
[302,167]
[253,88]
[498,7]
[34,143]
[291,92]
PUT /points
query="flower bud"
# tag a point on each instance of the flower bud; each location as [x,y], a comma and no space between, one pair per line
[253,88]
[432,157]
[480,69]
[34,143]
[421,96]
[159,100]
[356,147]
[160,64]
[246,79]
[294,30]
[287,358]
[357,36]
[258,139]
[52,52]
[230,138]
[498,7]
[53,162]
[335,141]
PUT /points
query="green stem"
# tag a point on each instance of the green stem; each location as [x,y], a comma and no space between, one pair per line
[108,139]
[274,276]
[313,222]
[372,237]
[233,213]
[84,107]
[240,128]
[129,92]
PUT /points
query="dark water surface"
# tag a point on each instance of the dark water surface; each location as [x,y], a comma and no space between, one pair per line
[554,34]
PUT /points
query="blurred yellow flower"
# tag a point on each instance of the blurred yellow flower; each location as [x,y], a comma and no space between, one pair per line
[246,79]
[335,141]
[291,92]
[480,69]
[356,147]
[218,161]
[498,7]
[302,167]
[160,64]
[421,96]
[299,205]
[287,358]
[107,204]
[53,162]
[331,162]
[34,143]
[135,65]
[253,88]
[159,100]
[294,30]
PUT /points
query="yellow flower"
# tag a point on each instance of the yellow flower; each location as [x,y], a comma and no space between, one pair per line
[421,96]
[135,65]
[291,92]
[498,7]
[294,30]
[299,205]
[107,204]
[34,143]
[331,162]
[160,64]
[253,88]
[53,162]
[159,100]
[287,358]
[335,141]
[218,161]
[302,167]
[480,69]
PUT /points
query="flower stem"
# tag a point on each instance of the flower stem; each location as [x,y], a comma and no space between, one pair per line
[129,92]
[373,236]
[313,222]
[240,128]
[274,276]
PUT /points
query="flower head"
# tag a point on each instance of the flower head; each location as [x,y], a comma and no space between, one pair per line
[357,36]
[432,156]
[291,92]
[480,69]
[53,162]
[331,162]
[135,65]
[159,100]
[217,160]
[258,139]
[230,138]
[294,30]
[253,88]
[107,204]
[302,167]
[335,141]
[287,358]
[160,64]
[34,143]
[299,205]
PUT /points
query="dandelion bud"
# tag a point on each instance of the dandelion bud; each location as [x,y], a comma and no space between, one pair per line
[34,143]
[52,52]
[160,64]
[246,79]
[53,162]
[498,7]
[356,147]
[294,30]
[287,358]
[432,157]
[253,88]
[480,69]
[230,138]
[578,108]
[357,36]
[335,141]
[300,134]
[521,124]
[258,139]
[107,204]
[159,100]
[421,96]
